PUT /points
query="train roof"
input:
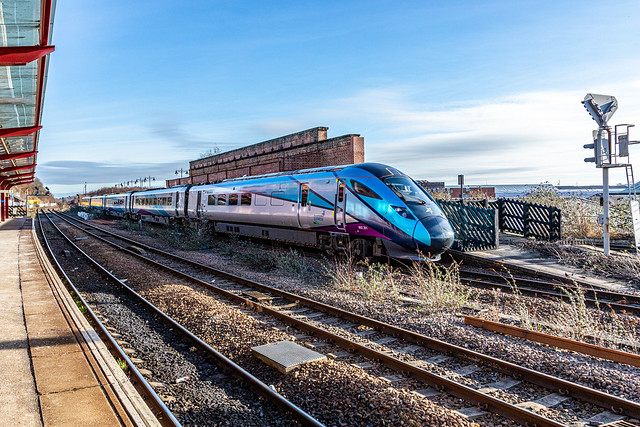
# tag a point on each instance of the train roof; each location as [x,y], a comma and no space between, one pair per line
[377,169]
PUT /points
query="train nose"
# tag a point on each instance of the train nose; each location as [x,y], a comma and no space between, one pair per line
[433,235]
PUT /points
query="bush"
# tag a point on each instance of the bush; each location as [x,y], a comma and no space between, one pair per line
[580,215]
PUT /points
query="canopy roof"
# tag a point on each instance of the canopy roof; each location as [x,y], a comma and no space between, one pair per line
[25,43]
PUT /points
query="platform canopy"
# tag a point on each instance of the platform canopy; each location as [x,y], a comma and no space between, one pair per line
[25,44]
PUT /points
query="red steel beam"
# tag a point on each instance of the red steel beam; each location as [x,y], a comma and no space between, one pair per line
[17,168]
[24,131]
[22,155]
[22,55]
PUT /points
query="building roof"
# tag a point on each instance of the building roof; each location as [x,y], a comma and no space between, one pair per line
[25,45]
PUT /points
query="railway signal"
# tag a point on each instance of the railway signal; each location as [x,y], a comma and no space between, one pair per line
[608,149]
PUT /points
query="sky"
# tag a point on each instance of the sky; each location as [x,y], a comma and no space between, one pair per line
[487,89]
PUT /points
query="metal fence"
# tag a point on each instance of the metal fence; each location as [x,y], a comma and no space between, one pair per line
[530,219]
[475,226]
[477,223]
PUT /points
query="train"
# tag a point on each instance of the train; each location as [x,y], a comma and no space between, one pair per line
[370,209]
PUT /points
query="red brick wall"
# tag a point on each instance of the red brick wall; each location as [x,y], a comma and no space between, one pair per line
[302,150]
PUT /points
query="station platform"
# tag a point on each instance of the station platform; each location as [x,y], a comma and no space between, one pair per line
[50,374]
[512,252]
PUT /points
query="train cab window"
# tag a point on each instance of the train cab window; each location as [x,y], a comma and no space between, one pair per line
[277,198]
[222,199]
[341,192]
[304,195]
[363,190]
[245,199]
[233,199]
[211,199]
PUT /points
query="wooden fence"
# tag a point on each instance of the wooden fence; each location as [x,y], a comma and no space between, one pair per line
[475,227]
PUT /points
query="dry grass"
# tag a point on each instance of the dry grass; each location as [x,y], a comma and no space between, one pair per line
[620,266]
[580,215]
[437,287]
[571,318]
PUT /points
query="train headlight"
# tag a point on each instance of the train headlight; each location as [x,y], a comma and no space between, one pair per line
[403,212]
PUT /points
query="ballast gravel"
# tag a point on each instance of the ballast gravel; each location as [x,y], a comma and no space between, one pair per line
[617,379]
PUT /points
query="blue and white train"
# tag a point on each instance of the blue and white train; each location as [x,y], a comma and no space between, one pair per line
[371,208]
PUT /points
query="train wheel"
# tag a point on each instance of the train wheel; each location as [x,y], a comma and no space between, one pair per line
[360,248]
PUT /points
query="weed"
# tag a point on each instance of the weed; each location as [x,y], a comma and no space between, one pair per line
[122,364]
[438,286]
[371,280]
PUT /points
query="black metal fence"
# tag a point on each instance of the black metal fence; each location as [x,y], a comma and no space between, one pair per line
[530,219]
[477,223]
[475,226]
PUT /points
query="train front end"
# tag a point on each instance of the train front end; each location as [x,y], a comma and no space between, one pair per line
[413,225]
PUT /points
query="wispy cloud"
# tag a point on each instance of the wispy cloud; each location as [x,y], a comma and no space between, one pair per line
[70,172]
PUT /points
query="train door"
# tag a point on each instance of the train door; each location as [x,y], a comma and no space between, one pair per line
[305,216]
[340,204]
[177,204]
[199,205]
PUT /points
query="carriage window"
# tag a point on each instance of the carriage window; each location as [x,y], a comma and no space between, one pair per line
[211,200]
[341,192]
[222,199]
[245,200]
[169,200]
[261,200]
[363,190]
[304,195]
[233,199]
[277,198]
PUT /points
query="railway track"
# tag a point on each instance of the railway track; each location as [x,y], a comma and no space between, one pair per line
[178,336]
[507,277]
[411,354]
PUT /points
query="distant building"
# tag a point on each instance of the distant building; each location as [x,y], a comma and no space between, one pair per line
[473,192]
[432,187]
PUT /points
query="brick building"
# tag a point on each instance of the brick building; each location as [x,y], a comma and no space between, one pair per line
[302,150]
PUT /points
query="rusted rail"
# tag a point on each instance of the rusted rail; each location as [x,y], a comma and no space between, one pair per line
[255,384]
[163,414]
[580,347]
[580,392]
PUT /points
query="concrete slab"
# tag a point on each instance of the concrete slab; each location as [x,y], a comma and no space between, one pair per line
[545,402]
[467,370]
[285,356]
[58,412]
[438,359]
[427,392]
[386,340]
[19,405]
[410,349]
[471,412]
[499,385]
[605,418]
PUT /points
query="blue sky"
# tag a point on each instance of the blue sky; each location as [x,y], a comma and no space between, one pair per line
[487,89]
